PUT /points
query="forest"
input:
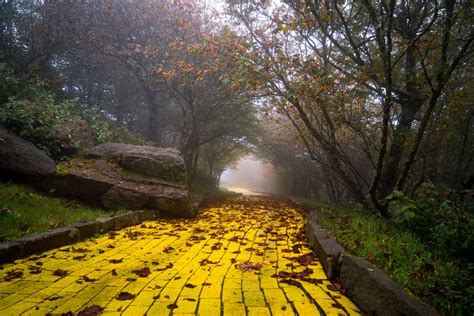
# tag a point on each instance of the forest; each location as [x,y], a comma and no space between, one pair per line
[366,105]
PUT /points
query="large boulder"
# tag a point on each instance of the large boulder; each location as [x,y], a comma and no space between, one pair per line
[162,163]
[20,156]
[126,176]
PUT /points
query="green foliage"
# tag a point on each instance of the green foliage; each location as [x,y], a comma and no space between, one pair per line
[105,131]
[24,211]
[8,83]
[36,119]
[445,283]
[445,223]
[36,116]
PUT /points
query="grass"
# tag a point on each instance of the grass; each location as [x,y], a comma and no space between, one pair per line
[23,211]
[444,284]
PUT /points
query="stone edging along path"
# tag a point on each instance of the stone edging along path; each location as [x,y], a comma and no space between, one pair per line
[367,286]
[39,242]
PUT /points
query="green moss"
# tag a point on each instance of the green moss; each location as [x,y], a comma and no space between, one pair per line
[23,211]
[62,169]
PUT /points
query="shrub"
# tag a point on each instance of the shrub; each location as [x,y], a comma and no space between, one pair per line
[36,120]
[36,116]
[440,217]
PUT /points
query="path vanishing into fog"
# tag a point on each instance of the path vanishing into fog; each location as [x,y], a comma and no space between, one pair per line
[246,256]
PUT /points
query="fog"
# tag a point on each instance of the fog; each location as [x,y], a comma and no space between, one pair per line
[251,174]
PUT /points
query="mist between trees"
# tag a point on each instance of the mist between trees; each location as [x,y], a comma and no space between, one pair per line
[349,101]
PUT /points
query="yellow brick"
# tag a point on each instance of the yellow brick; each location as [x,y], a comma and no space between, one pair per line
[72,305]
[306,308]
[232,295]
[258,311]
[41,295]
[234,309]
[254,298]
[348,305]
[185,306]
[315,291]
[269,283]
[108,293]
[37,311]
[213,291]
[16,287]
[229,286]
[144,298]
[18,308]
[274,296]
[250,285]
[135,310]
[294,294]
[159,308]
[169,294]
[281,309]
[209,306]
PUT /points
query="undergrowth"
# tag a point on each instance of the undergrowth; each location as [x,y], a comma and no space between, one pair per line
[445,283]
[24,211]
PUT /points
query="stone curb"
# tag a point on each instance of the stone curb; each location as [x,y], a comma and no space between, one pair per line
[367,286]
[26,246]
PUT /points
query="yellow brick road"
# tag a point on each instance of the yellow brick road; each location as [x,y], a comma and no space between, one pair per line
[244,257]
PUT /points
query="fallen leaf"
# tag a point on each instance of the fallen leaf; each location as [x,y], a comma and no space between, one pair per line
[291,282]
[249,266]
[91,311]
[172,306]
[60,272]
[143,272]
[79,257]
[87,279]
[168,249]
[35,270]
[189,285]
[13,274]
[80,250]
[124,296]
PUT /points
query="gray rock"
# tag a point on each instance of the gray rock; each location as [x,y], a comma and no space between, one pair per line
[126,220]
[49,240]
[106,224]
[122,197]
[114,176]
[162,163]
[375,293]
[147,215]
[20,156]
[325,247]
[87,229]
[10,250]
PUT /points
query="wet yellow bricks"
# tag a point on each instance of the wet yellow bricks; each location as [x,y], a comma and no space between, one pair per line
[239,258]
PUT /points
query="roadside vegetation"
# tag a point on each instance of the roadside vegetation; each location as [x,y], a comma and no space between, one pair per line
[435,265]
[24,211]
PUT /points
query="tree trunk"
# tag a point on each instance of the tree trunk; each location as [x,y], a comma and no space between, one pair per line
[402,132]
[153,108]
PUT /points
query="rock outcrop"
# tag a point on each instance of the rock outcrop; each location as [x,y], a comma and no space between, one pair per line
[126,176]
[22,157]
